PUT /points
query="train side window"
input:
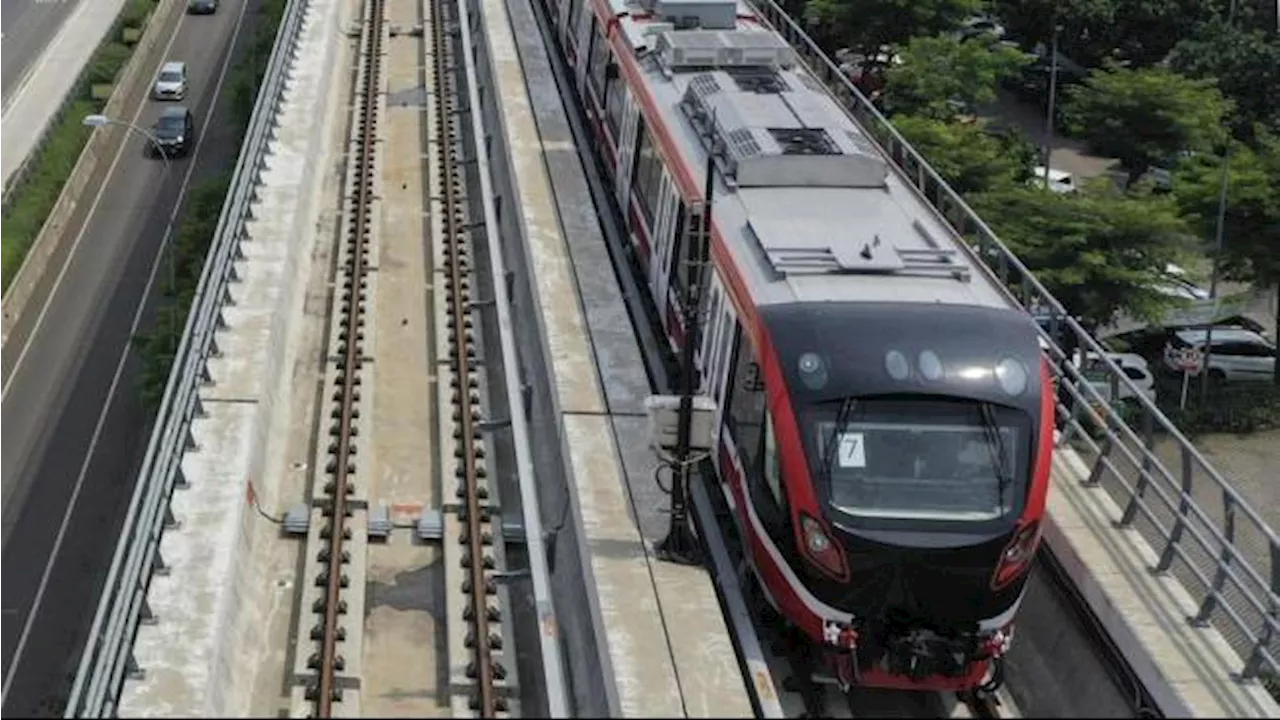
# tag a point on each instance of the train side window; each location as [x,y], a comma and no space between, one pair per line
[647,181]
[599,60]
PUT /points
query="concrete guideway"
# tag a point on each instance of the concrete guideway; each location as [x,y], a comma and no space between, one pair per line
[45,70]
[664,647]
[68,469]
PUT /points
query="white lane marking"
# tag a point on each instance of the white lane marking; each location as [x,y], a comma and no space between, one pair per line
[84,228]
[46,55]
[124,355]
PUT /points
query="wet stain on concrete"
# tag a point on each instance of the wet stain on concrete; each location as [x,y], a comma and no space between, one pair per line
[416,589]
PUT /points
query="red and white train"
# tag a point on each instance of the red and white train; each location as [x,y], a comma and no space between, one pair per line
[884,412]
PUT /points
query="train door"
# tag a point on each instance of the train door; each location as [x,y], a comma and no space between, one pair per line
[717,339]
[563,25]
[631,125]
[582,25]
[667,243]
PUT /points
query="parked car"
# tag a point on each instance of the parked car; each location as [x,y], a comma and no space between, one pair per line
[1060,181]
[1237,354]
[171,83]
[978,25]
[174,131]
[1132,365]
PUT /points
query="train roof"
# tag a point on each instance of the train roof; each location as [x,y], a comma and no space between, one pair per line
[810,208]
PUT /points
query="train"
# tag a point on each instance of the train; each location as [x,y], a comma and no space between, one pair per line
[884,412]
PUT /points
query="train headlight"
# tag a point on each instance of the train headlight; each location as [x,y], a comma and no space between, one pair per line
[1016,558]
[817,540]
[819,548]
[1012,376]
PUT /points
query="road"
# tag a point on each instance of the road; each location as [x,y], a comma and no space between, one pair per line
[28,26]
[74,429]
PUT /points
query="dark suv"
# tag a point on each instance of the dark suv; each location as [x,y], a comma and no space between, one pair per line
[174,131]
[202,7]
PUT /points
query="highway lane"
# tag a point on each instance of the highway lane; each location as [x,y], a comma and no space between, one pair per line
[71,410]
[28,28]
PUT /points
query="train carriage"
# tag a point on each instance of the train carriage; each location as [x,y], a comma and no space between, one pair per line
[884,411]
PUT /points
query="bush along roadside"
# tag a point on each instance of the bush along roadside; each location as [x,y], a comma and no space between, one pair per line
[37,192]
[195,232]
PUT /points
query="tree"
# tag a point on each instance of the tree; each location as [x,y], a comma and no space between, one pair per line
[1247,66]
[937,72]
[1139,31]
[1251,227]
[1142,116]
[866,25]
[969,157]
[1098,253]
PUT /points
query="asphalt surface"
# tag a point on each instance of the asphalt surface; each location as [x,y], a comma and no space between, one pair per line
[66,389]
[28,28]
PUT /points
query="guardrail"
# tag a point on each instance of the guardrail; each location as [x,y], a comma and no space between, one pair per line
[108,654]
[1217,545]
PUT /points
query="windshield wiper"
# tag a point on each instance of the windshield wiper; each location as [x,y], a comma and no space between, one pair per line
[995,445]
[833,443]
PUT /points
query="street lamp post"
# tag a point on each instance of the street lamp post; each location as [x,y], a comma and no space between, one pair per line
[1219,244]
[1053,96]
[167,247]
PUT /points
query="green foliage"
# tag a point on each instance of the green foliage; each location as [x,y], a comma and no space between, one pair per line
[1098,253]
[1242,407]
[1141,116]
[135,12]
[866,25]
[1247,66]
[1138,31]
[936,72]
[968,157]
[108,62]
[35,198]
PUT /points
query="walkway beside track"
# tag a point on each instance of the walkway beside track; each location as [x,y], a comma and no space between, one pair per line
[663,636]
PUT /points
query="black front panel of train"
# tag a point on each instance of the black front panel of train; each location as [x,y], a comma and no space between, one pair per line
[919,425]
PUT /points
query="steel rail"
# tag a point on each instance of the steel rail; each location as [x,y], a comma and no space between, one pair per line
[351,345]
[466,401]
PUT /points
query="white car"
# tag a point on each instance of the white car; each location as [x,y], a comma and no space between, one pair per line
[1060,181]
[171,83]
[1133,366]
[1237,354]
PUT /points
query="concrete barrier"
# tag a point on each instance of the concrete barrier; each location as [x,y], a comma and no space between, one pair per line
[49,252]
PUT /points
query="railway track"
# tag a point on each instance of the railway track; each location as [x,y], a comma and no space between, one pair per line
[351,308]
[339,545]
[483,636]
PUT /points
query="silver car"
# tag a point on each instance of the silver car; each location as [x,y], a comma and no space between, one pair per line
[171,83]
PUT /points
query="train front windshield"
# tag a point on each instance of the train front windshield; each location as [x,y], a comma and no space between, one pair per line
[918,458]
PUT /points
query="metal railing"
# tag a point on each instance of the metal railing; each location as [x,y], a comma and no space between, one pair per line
[1218,547]
[108,653]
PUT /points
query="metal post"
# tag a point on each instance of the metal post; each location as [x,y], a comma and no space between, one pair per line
[1219,243]
[680,545]
[1053,96]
